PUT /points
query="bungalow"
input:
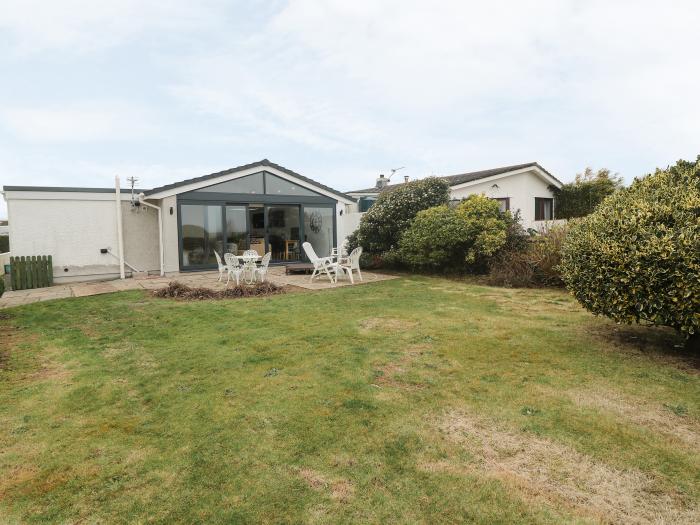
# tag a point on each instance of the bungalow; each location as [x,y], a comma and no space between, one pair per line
[523,187]
[102,233]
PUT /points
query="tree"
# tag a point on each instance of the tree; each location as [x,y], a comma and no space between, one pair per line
[458,239]
[636,258]
[579,198]
[393,212]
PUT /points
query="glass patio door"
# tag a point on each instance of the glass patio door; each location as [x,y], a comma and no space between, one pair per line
[318,228]
[283,232]
[202,233]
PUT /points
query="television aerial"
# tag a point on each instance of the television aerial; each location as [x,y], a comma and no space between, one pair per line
[393,171]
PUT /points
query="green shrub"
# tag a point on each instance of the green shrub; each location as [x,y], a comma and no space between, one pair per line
[2,285]
[579,198]
[637,257]
[457,239]
[534,264]
[381,227]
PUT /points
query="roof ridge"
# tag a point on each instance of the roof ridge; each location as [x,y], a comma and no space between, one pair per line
[461,178]
[261,163]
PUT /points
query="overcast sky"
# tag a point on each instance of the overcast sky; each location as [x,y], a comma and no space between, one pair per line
[343,90]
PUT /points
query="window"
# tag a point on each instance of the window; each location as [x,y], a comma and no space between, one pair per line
[365,203]
[544,209]
[278,186]
[202,234]
[252,184]
[503,203]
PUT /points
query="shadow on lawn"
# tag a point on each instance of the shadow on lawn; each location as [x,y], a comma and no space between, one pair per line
[652,341]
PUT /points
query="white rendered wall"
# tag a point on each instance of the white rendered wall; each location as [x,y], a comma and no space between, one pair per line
[171,245]
[73,227]
[522,188]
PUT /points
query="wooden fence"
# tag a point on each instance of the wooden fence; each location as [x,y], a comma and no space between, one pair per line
[31,272]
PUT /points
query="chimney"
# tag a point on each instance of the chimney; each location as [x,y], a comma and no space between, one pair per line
[405,178]
[382,182]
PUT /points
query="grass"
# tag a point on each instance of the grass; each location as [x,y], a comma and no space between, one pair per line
[412,400]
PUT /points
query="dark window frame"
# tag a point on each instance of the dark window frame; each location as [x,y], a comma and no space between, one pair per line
[499,199]
[540,208]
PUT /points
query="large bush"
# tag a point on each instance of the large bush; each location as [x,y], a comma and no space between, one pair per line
[461,238]
[579,198]
[392,213]
[536,263]
[637,257]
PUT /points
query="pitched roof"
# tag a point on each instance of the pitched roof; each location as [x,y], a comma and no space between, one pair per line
[454,180]
[262,164]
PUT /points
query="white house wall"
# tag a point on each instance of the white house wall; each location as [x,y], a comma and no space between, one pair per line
[73,227]
[171,243]
[521,188]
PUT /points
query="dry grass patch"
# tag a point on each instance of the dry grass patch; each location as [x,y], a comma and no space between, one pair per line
[545,470]
[641,412]
[339,489]
[386,374]
[386,324]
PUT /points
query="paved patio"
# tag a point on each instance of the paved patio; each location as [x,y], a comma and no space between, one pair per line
[199,279]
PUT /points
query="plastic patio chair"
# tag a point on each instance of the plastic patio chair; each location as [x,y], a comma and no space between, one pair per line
[323,265]
[351,263]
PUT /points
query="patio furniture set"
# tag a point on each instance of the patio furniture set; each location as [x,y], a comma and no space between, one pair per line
[251,267]
[335,265]
[243,266]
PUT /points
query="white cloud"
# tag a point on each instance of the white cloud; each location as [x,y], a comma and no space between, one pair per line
[85,123]
[87,26]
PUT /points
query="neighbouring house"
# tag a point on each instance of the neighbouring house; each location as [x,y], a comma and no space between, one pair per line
[260,206]
[523,187]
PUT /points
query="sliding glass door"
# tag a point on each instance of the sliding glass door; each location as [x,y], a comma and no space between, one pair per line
[202,233]
[319,228]
[237,238]
[283,232]
[233,228]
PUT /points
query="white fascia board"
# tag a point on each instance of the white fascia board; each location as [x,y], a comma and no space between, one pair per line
[534,169]
[243,173]
[63,196]
[360,195]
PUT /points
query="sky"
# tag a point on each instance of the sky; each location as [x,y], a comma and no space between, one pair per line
[341,91]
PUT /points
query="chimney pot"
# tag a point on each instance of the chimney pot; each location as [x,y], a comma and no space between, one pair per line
[405,178]
[381,181]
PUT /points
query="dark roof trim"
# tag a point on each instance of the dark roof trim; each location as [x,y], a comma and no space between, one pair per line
[260,164]
[455,180]
[59,189]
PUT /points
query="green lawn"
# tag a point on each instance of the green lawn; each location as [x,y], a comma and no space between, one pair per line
[412,400]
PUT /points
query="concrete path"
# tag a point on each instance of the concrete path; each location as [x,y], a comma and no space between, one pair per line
[196,279]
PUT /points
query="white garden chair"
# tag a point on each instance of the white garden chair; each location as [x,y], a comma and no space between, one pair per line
[351,263]
[222,266]
[233,268]
[261,271]
[249,258]
[323,265]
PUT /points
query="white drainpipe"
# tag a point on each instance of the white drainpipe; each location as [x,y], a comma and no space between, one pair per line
[120,233]
[142,200]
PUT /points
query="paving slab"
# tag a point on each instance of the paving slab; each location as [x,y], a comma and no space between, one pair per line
[207,279]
